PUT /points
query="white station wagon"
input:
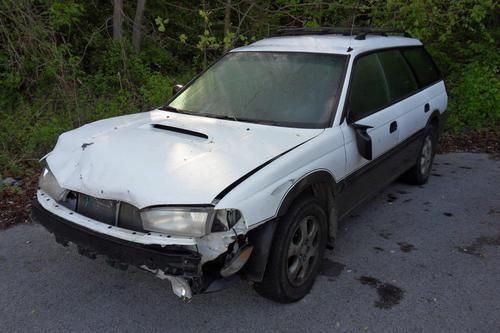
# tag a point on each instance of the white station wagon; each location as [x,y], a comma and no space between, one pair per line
[250,166]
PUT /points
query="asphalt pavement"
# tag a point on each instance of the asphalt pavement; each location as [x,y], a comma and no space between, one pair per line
[413,259]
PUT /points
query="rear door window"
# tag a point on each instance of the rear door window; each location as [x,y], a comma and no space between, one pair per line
[400,79]
[422,65]
[368,92]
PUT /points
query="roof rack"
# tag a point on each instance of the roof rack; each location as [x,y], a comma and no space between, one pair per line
[359,32]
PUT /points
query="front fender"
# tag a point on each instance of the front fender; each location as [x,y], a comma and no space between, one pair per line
[260,197]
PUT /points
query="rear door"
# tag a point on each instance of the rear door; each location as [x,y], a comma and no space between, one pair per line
[424,100]
[407,103]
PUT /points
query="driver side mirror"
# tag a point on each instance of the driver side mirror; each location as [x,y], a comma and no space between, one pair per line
[363,140]
[176,88]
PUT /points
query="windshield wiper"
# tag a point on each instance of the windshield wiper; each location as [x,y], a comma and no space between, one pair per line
[174,109]
[225,117]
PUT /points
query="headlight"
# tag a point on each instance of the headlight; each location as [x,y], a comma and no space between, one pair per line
[180,221]
[49,184]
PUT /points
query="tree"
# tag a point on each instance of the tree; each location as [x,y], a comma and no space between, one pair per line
[117,19]
[227,22]
[136,30]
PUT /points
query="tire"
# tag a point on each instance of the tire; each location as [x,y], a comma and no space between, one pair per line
[419,173]
[296,253]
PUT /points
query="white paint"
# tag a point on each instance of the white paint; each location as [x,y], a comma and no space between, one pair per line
[214,244]
[334,44]
[102,228]
[254,196]
[131,161]
[209,246]
[382,139]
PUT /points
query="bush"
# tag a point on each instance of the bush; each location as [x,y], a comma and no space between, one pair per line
[60,68]
[474,97]
[156,90]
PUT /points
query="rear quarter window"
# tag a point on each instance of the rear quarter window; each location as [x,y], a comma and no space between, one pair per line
[424,68]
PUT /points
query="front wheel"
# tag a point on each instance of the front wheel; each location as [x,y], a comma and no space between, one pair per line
[296,252]
[419,173]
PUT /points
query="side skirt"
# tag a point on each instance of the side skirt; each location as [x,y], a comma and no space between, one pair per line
[362,184]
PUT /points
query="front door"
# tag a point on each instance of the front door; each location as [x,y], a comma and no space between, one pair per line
[367,105]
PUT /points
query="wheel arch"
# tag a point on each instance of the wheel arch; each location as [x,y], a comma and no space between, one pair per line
[319,183]
[434,118]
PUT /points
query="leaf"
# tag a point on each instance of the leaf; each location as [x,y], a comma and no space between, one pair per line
[183,38]
[160,23]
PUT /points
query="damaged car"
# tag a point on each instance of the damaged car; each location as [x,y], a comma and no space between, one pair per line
[250,166]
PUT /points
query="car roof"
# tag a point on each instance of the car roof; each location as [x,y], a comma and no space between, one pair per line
[321,43]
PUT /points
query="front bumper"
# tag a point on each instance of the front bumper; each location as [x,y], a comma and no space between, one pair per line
[170,259]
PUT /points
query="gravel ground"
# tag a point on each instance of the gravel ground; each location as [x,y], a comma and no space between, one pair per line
[414,259]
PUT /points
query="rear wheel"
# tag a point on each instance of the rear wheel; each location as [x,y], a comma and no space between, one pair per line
[296,253]
[419,173]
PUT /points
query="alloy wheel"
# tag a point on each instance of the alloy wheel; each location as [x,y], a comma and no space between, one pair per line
[426,155]
[303,251]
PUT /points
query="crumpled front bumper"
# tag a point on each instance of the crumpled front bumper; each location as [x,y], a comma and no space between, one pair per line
[167,260]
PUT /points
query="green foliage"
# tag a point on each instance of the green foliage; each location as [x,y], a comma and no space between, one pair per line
[9,85]
[10,189]
[160,23]
[156,90]
[183,38]
[461,36]
[475,98]
[60,68]
[64,13]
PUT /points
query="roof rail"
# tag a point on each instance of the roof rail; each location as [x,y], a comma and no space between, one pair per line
[359,32]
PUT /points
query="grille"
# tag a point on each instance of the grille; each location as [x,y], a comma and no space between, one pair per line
[111,212]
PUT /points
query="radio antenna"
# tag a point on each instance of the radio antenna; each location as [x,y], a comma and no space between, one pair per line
[349,49]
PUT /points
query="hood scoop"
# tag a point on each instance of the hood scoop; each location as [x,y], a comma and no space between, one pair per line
[180,130]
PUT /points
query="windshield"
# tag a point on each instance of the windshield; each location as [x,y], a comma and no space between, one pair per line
[285,89]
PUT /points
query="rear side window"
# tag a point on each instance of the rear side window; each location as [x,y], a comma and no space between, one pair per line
[368,92]
[399,77]
[422,65]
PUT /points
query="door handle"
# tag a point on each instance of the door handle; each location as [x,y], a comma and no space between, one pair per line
[393,127]
[427,108]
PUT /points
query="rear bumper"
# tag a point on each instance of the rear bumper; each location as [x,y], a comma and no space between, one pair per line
[172,260]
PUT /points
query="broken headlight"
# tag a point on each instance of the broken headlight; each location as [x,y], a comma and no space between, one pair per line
[179,221]
[225,219]
[49,185]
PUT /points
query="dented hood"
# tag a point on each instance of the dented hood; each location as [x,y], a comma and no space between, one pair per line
[153,158]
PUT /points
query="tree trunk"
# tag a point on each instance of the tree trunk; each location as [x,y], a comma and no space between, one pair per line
[117,19]
[204,5]
[136,32]
[227,21]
